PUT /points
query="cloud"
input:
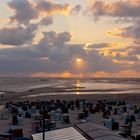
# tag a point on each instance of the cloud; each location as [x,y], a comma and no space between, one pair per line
[126,11]
[24,11]
[124,55]
[49,8]
[120,9]
[47,20]
[17,35]
[127,57]
[135,50]
[132,31]
[53,55]
[56,39]
[136,66]
[98,46]
[75,10]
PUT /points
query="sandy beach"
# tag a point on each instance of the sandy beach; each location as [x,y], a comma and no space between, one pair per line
[67,94]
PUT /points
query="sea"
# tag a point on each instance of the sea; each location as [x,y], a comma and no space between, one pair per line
[73,85]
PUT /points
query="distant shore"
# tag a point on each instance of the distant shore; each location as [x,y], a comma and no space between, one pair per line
[21,96]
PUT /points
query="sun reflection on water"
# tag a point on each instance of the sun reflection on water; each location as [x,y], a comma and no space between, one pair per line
[77,86]
[77,93]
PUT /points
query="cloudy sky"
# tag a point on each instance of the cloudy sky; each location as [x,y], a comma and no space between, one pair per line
[60,38]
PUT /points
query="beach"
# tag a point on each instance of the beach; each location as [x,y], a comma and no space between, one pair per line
[71,91]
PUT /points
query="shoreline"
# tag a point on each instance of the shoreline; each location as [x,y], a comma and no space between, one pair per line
[16,96]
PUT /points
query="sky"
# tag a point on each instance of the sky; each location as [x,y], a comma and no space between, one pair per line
[74,38]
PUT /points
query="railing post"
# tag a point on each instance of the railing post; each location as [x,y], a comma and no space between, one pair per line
[43,121]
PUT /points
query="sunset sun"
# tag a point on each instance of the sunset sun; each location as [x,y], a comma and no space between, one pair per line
[78,60]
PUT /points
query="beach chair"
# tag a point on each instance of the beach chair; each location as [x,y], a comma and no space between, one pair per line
[132,117]
[6,136]
[14,120]
[115,126]
[65,118]
[128,120]
[122,109]
[108,123]
[55,115]
[21,111]
[35,125]
[126,130]
[33,112]
[27,115]
[137,137]
[20,120]
[81,115]
[52,115]
[58,114]
[115,110]
[52,125]
[3,117]
[17,133]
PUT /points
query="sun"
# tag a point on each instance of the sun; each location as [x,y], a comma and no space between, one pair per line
[78,60]
[79,63]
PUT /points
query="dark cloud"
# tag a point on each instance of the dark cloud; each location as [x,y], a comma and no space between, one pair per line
[24,11]
[126,11]
[132,31]
[135,50]
[47,21]
[17,35]
[49,57]
[136,66]
[75,10]
[98,62]
[48,7]
[128,57]
[56,39]
[98,45]
[120,9]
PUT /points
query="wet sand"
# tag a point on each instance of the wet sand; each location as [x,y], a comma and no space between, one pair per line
[67,94]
